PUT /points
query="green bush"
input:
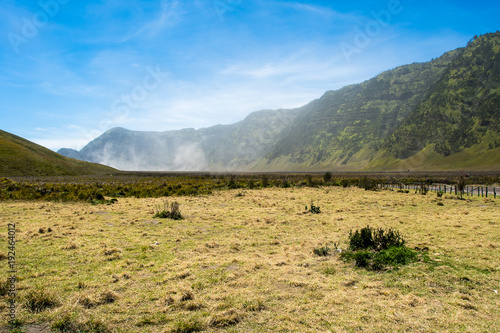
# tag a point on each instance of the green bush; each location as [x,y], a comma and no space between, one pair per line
[362,258]
[376,249]
[376,239]
[395,256]
[327,177]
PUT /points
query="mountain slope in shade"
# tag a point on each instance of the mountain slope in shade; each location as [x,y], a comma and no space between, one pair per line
[20,157]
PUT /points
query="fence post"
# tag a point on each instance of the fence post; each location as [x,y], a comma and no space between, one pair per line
[486,191]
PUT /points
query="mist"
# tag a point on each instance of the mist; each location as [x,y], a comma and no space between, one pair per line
[220,148]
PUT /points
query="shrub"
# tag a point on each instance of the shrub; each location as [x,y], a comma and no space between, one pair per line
[310,181]
[461,186]
[233,184]
[368,184]
[440,194]
[327,177]
[376,239]
[362,258]
[265,181]
[344,182]
[377,248]
[395,256]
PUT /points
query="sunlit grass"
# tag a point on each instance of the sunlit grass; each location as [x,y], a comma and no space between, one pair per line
[245,263]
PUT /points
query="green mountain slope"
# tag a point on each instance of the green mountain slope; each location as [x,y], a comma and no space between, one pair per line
[348,126]
[461,116]
[20,157]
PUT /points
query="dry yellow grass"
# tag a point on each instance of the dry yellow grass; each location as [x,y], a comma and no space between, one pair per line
[246,263]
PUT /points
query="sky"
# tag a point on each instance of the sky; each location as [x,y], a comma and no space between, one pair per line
[70,70]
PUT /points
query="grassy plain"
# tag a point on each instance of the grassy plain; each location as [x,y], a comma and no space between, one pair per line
[242,261]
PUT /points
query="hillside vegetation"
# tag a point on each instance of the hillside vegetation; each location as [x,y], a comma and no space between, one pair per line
[20,157]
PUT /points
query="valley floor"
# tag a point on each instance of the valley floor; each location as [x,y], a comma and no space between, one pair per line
[242,261]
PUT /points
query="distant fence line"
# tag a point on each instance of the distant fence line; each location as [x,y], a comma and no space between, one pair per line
[472,190]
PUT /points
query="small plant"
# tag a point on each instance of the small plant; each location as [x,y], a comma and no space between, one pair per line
[313,209]
[173,213]
[322,251]
[440,194]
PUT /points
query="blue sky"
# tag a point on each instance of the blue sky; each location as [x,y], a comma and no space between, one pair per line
[70,70]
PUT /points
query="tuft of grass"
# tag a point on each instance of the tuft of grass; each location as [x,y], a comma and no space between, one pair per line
[224,319]
[87,301]
[322,251]
[4,287]
[188,325]
[173,212]
[38,300]
[108,296]
[254,305]
[70,323]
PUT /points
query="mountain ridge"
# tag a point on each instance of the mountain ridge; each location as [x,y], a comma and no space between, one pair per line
[400,119]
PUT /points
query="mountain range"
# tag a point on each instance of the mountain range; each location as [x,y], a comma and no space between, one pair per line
[440,115]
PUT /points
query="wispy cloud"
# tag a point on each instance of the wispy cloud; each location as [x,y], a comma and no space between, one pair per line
[170,15]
